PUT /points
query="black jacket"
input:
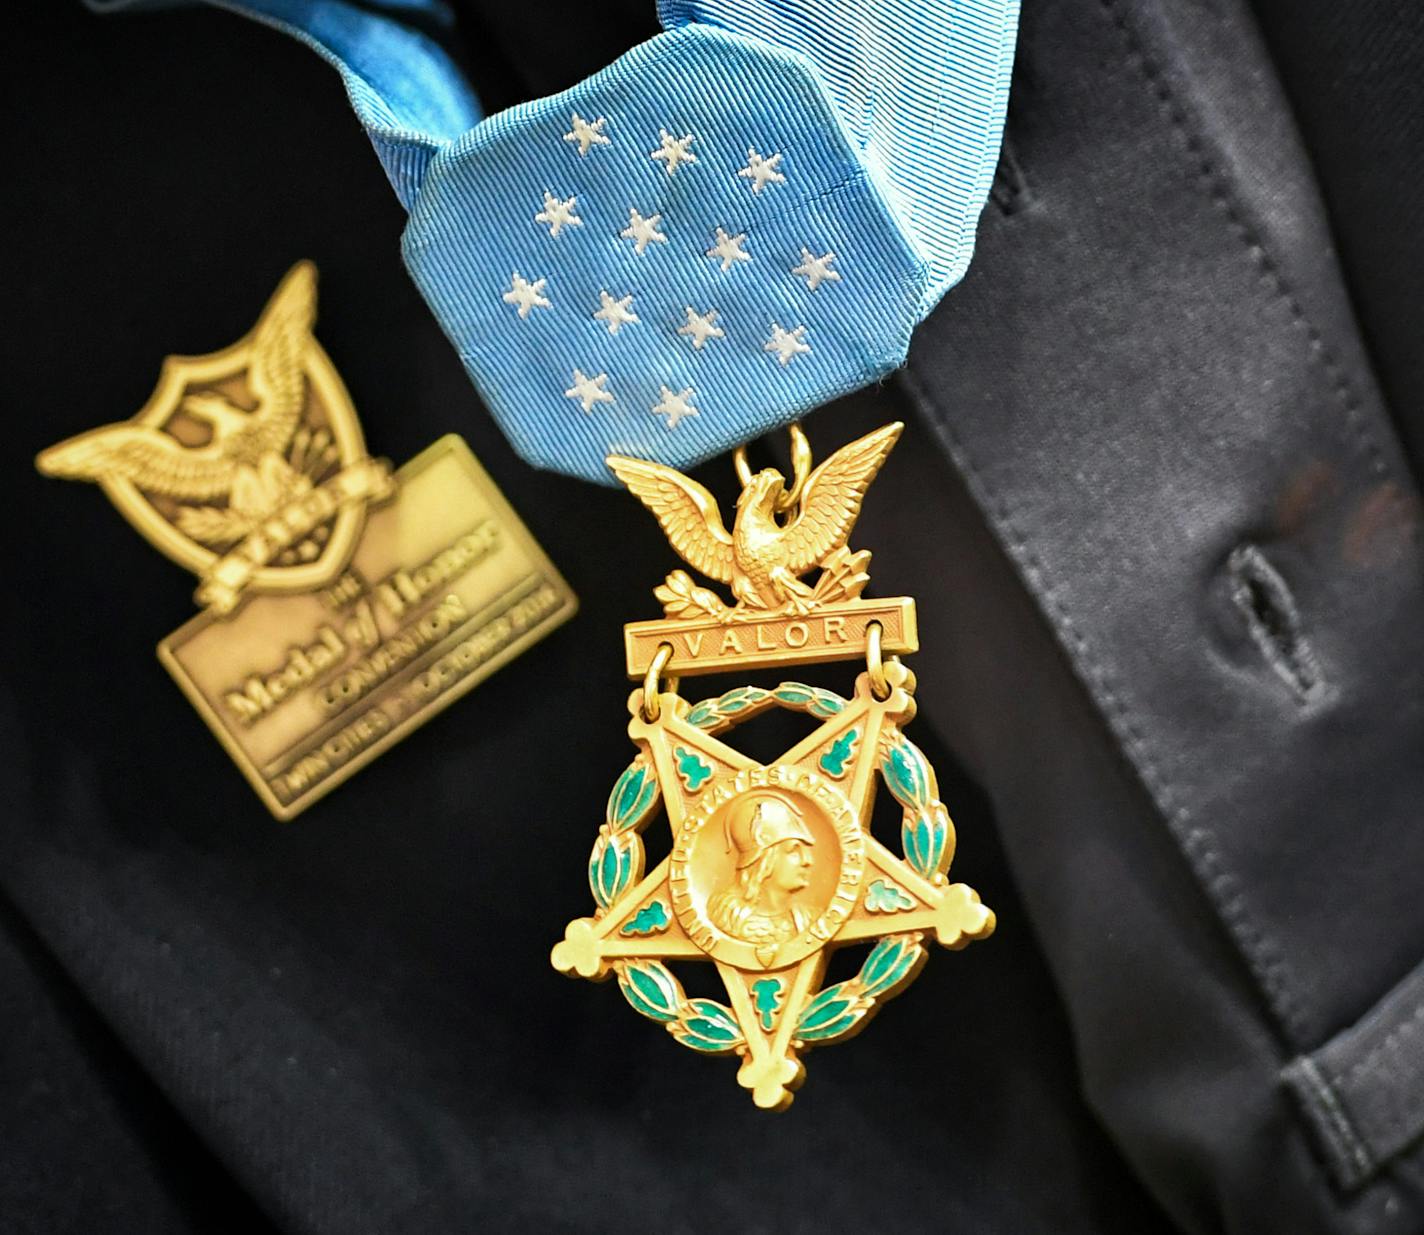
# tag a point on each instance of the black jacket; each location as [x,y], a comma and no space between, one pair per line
[1155,501]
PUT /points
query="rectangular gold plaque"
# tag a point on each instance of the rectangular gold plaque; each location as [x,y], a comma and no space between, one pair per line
[444,586]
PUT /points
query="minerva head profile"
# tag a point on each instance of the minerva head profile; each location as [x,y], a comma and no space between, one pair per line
[772,843]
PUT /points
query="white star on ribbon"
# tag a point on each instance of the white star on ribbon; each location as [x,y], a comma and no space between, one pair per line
[729,249]
[615,312]
[589,390]
[760,171]
[700,327]
[643,232]
[525,294]
[587,133]
[674,151]
[558,214]
[787,344]
[816,270]
[675,406]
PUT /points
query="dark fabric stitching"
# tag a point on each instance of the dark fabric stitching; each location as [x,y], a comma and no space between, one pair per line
[1406,1028]
[1355,1162]
[1219,191]
[1264,958]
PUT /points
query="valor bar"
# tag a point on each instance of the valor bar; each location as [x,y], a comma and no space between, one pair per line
[830,632]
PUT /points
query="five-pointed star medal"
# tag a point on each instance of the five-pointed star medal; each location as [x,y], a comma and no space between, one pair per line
[772,997]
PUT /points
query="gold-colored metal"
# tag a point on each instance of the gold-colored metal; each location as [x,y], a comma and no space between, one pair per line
[777,618]
[344,606]
[800,468]
[832,633]
[651,681]
[773,866]
[875,662]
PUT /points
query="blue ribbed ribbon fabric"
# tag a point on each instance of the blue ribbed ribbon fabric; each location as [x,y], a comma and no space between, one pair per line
[734,222]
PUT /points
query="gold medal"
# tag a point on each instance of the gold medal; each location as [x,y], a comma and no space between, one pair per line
[344,605]
[772,865]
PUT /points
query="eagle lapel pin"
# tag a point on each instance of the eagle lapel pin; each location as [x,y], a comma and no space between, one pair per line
[344,605]
[772,866]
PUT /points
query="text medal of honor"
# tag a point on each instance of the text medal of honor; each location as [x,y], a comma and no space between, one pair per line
[343,605]
[772,865]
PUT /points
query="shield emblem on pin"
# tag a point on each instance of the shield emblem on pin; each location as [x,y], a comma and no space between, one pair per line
[246,466]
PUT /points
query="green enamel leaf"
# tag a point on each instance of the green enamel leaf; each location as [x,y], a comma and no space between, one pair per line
[632,797]
[711,712]
[828,1005]
[714,1020]
[703,714]
[833,762]
[692,768]
[610,867]
[819,702]
[906,774]
[923,838]
[916,841]
[595,865]
[608,873]
[651,989]
[832,1028]
[649,920]
[889,961]
[831,1013]
[707,1026]
[742,697]
[885,897]
[766,1000]
[826,704]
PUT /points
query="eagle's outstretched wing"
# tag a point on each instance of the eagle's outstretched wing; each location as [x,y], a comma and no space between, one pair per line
[151,459]
[831,501]
[275,373]
[687,512]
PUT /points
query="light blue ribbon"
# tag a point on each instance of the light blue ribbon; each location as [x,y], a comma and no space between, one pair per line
[733,223]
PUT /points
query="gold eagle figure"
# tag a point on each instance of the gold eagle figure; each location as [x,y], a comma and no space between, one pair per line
[762,559]
[244,458]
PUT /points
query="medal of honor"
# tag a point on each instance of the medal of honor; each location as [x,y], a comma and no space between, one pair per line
[344,606]
[772,866]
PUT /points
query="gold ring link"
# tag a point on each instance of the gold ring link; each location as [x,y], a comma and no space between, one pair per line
[744,469]
[875,662]
[800,468]
[652,706]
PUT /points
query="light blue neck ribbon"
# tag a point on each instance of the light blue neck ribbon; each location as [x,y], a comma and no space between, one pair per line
[731,224]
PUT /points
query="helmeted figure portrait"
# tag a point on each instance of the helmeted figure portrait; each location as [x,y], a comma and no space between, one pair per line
[772,843]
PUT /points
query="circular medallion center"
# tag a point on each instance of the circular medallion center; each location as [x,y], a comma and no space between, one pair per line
[768,867]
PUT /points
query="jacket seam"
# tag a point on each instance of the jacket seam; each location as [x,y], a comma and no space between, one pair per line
[1261,954]
[1317,350]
